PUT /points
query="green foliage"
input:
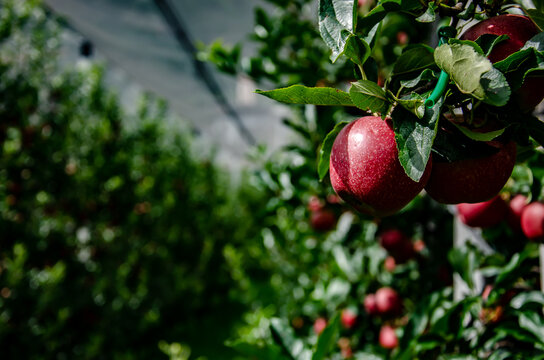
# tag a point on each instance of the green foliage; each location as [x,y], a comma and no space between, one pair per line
[113,228]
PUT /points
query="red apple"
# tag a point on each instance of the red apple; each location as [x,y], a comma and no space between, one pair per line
[390,264]
[365,170]
[392,240]
[323,220]
[388,338]
[532,221]
[472,180]
[515,208]
[484,214]
[388,301]
[348,318]
[519,29]
[319,325]
[397,244]
[370,304]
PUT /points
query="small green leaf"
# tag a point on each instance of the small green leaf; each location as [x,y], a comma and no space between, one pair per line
[430,14]
[536,42]
[531,297]
[488,41]
[465,262]
[369,96]
[535,127]
[336,24]
[425,76]
[357,50]
[414,60]
[325,151]
[384,7]
[285,336]
[473,73]
[479,136]
[533,322]
[415,137]
[299,94]
[327,339]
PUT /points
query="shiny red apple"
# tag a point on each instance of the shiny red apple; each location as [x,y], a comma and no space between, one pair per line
[532,221]
[519,29]
[365,170]
[472,180]
[483,215]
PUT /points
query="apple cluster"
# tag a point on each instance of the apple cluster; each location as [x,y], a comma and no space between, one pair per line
[521,216]
[365,170]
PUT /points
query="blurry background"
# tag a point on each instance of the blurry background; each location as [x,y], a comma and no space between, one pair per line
[137,42]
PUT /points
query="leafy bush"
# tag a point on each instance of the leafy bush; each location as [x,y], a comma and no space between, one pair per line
[113,228]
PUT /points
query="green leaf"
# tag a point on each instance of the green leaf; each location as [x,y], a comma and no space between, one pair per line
[415,137]
[285,336]
[327,339]
[414,103]
[536,42]
[479,136]
[430,14]
[488,41]
[533,322]
[514,268]
[357,50]
[325,151]
[299,94]
[537,16]
[384,7]
[336,24]
[465,262]
[535,128]
[414,60]
[369,96]
[473,73]
[425,76]
[530,297]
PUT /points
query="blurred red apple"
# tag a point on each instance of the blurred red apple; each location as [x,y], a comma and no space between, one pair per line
[397,244]
[532,221]
[323,220]
[365,170]
[519,29]
[388,338]
[370,304]
[319,325]
[515,208]
[388,301]
[472,180]
[390,264]
[348,318]
[484,214]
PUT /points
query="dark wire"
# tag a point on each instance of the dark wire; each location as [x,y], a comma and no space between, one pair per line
[177,26]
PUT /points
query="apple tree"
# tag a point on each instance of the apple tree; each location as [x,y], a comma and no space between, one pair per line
[405,96]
